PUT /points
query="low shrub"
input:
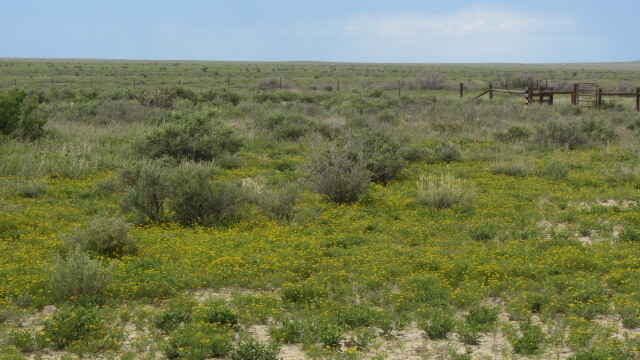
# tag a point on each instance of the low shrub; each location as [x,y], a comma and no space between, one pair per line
[468,333]
[197,342]
[555,133]
[217,313]
[437,324]
[195,136]
[445,192]
[162,97]
[76,274]
[483,232]
[279,204]
[147,186]
[79,328]
[26,341]
[195,199]
[482,316]
[380,154]
[18,116]
[30,189]
[443,152]
[290,332]
[178,311]
[530,339]
[336,175]
[513,133]
[103,235]
[252,349]
[555,170]
[511,168]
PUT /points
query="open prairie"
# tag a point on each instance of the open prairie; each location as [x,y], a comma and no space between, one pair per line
[301,210]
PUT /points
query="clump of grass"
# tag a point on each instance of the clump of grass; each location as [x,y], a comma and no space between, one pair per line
[31,189]
[555,170]
[483,232]
[445,192]
[511,168]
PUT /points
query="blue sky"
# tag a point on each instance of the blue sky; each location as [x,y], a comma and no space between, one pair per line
[328,30]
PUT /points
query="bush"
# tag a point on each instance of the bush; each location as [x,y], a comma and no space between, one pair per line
[81,327]
[193,137]
[162,98]
[530,340]
[555,170]
[282,126]
[437,324]
[290,332]
[147,188]
[197,342]
[555,133]
[252,349]
[217,313]
[510,168]
[31,189]
[17,115]
[279,204]
[443,151]
[336,175]
[512,134]
[484,232]
[105,236]
[444,192]
[194,198]
[178,311]
[482,316]
[77,275]
[380,154]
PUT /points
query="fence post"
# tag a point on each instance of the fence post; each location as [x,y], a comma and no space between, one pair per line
[574,94]
[551,96]
[541,97]
[490,91]
[599,99]
[461,89]
[638,99]
[526,96]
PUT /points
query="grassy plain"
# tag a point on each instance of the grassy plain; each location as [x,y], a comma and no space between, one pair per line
[539,258]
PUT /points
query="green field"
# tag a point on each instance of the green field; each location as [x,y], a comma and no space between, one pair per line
[219,210]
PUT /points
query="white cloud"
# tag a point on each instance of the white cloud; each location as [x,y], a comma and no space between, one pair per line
[470,35]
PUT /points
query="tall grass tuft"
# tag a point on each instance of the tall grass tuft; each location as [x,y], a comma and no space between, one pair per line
[445,192]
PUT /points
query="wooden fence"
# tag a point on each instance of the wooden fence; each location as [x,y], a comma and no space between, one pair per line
[582,94]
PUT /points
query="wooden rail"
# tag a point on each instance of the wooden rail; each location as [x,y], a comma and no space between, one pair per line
[587,94]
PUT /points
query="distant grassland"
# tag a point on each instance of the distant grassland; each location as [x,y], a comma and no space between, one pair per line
[391,219]
[102,74]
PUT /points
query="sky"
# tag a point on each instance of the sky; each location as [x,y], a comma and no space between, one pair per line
[398,31]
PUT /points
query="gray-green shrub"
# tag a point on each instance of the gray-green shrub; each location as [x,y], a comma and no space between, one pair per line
[194,136]
[380,154]
[147,187]
[77,274]
[195,198]
[103,235]
[335,174]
